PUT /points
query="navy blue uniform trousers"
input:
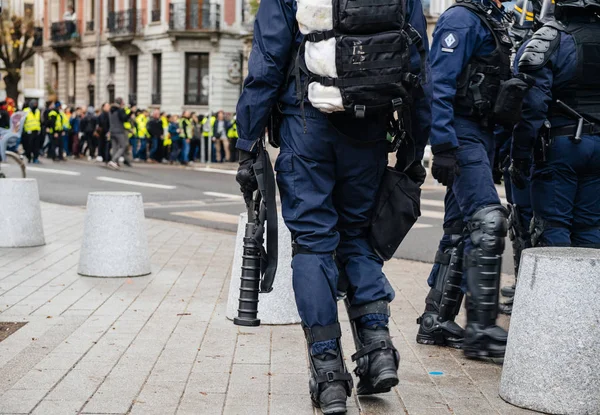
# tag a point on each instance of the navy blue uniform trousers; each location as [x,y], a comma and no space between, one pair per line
[328,187]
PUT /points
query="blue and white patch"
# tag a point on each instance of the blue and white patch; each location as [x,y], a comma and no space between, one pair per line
[449,42]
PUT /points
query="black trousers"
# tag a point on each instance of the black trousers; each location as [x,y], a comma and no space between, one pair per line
[31,144]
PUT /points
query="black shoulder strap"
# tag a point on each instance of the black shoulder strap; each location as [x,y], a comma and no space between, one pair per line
[487,20]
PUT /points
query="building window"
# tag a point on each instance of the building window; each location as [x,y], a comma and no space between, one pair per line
[92,66]
[133,79]
[196,79]
[71,82]
[156,78]
[54,77]
[156,5]
[112,66]
[91,95]
[91,15]
[111,93]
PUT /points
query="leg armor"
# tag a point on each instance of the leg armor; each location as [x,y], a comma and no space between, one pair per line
[436,325]
[330,383]
[376,358]
[488,228]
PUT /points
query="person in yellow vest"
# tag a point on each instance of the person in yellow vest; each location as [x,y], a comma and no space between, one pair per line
[232,135]
[187,131]
[208,123]
[54,128]
[141,121]
[65,116]
[32,131]
[166,143]
[129,128]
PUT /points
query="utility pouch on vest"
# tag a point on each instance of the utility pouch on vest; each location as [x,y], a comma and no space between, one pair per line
[398,208]
[509,103]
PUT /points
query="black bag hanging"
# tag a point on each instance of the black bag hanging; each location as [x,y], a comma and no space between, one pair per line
[397,209]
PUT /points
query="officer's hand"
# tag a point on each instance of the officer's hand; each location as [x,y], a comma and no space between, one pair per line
[245,175]
[445,167]
[417,173]
[519,172]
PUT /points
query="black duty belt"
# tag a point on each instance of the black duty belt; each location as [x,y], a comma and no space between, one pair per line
[569,130]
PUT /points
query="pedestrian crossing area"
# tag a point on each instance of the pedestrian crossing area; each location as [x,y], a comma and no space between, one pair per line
[226,208]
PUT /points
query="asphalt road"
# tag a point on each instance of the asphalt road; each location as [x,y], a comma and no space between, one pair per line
[206,196]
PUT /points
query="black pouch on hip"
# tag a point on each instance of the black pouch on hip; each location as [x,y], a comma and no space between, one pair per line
[509,102]
[397,209]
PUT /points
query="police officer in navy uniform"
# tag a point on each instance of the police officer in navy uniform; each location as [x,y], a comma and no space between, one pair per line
[470,58]
[560,127]
[528,16]
[328,171]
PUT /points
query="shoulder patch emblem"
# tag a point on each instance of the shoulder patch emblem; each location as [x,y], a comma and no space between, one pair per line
[450,41]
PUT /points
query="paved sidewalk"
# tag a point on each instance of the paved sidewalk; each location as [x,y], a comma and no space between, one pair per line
[162,345]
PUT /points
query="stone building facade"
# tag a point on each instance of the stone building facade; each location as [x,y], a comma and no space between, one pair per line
[171,54]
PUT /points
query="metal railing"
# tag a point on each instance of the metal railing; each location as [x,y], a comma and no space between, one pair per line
[195,17]
[65,31]
[195,99]
[156,99]
[89,26]
[156,15]
[125,22]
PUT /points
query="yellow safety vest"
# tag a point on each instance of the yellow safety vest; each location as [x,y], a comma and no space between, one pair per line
[65,121]
[213,119]
[189,130]
[32,121]
[142,123]
[127,124]
[58,125]
[232,133]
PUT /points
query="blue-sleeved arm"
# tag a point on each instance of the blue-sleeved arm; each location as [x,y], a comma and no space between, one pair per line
[270,56]
[559,69]
[458,35]
[421,109]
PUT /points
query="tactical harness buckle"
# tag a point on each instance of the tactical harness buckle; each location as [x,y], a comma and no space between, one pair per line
[359,111]
[330,377]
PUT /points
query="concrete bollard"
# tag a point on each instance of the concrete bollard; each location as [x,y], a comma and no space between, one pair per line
[278,306]
[553,353]
[114,240]
[20,214]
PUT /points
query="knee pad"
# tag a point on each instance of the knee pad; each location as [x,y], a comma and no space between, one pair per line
[488,228]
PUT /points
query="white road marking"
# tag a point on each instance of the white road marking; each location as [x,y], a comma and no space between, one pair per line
[210,216]
[432,214]
[211,170]
[421,226]
[224,195]
[133,183]
[54,171]
[440,203]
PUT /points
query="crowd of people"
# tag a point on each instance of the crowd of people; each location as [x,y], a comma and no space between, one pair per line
[132,134]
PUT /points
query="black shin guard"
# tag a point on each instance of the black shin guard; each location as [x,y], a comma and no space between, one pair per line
[330,383]
[437,325]
[376,358]
[521,239]
[483,338]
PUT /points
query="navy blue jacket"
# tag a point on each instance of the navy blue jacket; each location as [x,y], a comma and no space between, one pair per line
[459,35]
[559,69]
[275,37]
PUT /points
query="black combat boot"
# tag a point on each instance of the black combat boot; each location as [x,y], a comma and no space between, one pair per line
[330,383]
[376,362]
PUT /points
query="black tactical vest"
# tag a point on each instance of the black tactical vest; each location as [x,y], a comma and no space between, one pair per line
[582,93]
[478,85]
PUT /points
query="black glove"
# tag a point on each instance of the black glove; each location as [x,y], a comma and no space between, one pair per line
[417,173]
[445,167]
[519,172]
[245,175]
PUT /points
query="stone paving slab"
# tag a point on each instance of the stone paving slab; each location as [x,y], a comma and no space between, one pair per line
[161,344]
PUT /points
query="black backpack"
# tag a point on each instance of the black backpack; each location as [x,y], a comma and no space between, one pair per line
[89,126]
[373,40]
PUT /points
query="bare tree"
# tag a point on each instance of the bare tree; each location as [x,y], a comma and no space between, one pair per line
[19,39]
